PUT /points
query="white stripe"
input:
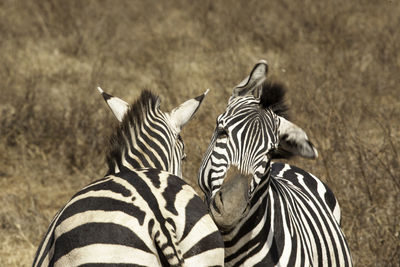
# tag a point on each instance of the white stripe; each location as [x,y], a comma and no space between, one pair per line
[107,178]
[207,258]
[286,252]
[104,253]
[202,228]
[182,200]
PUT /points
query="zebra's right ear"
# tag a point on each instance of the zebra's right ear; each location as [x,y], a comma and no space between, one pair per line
[118,106]
[252,82]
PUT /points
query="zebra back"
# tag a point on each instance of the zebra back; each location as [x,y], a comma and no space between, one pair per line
[147,217]
[142,213]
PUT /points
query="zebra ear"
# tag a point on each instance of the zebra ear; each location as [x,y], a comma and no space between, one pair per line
[118,106]
[294,141]
[253,81]
[180,115]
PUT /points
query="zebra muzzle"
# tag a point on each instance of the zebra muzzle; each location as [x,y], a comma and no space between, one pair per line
[231,203]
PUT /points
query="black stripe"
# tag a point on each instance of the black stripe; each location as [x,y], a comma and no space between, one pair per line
[279,233]
[103,204]
[174,186]
[200,98]
[96,233]
[154,176]
[291,222]
[163,259]
[133,162]
[106,96]
[211,241]
[276,168]
[194,211]
[217,166]
[108,185]
[216,155]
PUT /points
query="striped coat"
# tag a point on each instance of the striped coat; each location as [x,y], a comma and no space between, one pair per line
[292,220]
[282,215]
[142,213]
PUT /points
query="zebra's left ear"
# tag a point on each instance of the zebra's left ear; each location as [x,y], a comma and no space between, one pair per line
[257,76]
[118,106]
[294,141]
[180,115]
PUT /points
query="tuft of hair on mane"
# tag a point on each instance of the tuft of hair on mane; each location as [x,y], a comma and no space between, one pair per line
[134,117]
[273,97]
[139,109]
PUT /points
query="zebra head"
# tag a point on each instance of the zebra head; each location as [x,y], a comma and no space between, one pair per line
[146,136]
[252,131]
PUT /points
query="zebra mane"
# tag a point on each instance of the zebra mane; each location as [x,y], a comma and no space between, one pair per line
[273,97]
[134,117]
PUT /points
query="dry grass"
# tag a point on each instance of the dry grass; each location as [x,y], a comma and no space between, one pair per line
[340,60]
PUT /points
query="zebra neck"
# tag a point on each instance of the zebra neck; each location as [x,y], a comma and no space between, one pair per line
[135,156]
[132,159]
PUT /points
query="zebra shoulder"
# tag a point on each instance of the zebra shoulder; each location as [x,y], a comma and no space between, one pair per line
[192,226]
[313,184]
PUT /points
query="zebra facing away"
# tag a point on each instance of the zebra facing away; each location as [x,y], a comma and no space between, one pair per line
[269,214]
[141,213]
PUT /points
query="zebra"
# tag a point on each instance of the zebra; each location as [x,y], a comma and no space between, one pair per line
[269,213]
[142,213]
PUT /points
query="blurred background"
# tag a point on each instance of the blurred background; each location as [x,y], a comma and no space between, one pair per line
[339,59]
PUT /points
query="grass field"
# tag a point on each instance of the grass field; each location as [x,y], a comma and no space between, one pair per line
[339,59]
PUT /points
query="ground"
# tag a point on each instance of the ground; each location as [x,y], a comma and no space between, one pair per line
[339,60]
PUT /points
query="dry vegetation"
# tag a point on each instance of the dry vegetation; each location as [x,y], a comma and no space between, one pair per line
[340,60]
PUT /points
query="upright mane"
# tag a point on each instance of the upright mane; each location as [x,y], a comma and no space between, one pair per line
[138,111]
[273,97]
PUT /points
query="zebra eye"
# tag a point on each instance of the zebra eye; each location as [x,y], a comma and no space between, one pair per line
[222,133]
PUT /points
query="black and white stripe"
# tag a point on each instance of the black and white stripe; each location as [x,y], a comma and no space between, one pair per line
[142,213]
[286,216]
